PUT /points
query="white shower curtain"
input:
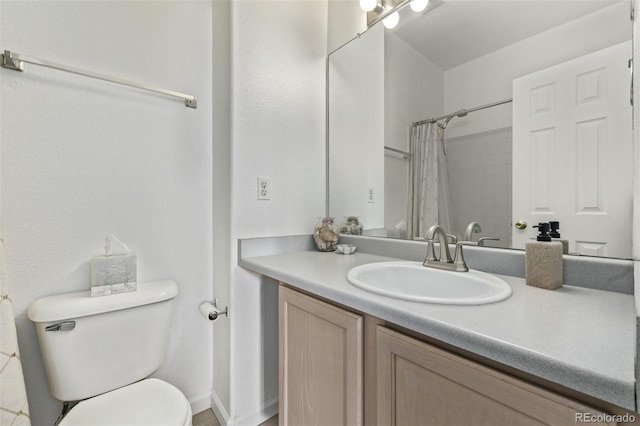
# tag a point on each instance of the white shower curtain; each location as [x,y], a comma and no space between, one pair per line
[14,409]
[429,196]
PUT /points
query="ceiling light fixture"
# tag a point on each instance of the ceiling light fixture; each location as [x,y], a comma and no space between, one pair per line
[418,5]
[391,21]
[387,10]
[371,6]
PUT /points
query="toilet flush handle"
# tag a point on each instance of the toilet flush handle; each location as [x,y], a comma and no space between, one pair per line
[61,326]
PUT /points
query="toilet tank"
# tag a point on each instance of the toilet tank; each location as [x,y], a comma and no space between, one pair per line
[91,345]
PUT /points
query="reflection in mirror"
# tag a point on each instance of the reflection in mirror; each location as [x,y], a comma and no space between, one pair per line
[505,113]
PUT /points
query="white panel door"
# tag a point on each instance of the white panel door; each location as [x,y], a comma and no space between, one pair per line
[573,152]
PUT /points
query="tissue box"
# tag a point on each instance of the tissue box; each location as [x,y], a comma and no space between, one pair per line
[112,274]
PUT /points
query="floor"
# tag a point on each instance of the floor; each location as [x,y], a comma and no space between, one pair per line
[206,418]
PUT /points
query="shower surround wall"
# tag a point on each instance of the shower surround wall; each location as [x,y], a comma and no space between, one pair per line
[480,180]
[82,158]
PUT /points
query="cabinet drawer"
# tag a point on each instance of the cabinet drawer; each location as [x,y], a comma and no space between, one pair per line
[419,384]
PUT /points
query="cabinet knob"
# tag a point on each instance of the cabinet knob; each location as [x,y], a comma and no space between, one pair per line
[521,224]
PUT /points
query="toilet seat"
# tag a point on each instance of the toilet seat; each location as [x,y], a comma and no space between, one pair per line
[150,402]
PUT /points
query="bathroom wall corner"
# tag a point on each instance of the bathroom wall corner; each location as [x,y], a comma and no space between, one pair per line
[201,402]
[220,410]
[221,212]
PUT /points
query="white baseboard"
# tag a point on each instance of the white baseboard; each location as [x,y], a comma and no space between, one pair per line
[200,403]
[262,414]
[219,410]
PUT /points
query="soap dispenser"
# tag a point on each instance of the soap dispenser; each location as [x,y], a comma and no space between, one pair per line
[555,235]
[543,260]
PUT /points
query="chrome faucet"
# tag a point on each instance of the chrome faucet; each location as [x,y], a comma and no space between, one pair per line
[445,261]
[445,256]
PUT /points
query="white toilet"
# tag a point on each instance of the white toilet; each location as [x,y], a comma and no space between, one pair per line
[100,351]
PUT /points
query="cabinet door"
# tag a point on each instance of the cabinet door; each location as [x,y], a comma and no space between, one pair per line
[419,384]
[320,362]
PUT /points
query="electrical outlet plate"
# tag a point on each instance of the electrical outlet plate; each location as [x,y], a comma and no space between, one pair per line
[371,198]
[264,188]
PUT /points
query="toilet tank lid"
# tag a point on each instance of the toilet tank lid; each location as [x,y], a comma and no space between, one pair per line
[80,304]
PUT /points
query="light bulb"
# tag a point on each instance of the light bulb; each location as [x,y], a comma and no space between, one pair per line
[418,5]
[368,5]
[392,20]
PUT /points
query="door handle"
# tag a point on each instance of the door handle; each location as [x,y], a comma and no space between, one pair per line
[521,224]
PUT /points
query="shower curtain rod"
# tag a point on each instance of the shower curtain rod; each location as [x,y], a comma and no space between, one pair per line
[460,113]
[405,154]
[15,61]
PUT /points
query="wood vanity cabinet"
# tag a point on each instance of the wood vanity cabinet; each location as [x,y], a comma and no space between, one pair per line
[420,384]
[408,382]
[320,362]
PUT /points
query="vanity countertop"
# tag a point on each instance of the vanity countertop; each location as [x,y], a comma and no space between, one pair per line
[581,338]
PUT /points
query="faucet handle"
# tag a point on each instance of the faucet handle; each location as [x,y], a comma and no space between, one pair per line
[452,238]
[431,255]
[481,240]
[460,264]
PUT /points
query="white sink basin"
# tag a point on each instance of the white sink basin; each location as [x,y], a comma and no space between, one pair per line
[415,282]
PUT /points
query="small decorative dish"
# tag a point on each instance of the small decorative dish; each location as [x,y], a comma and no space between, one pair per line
[346,248]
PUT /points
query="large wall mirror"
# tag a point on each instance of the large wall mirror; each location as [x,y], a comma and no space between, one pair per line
[503,113]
